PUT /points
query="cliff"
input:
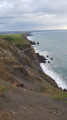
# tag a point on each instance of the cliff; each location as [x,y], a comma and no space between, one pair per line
[22,80]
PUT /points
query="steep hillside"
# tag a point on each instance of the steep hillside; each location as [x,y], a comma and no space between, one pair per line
[19,62]
[22,81]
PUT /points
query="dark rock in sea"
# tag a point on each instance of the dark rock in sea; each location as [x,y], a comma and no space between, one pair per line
[51,58]
[38,43]
[49,62]
[65,90]
[41,58]
[47,55]
[32,42]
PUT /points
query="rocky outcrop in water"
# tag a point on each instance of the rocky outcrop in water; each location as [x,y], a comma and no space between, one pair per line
[32,42]
[51,58]
[41,58]
[38,43]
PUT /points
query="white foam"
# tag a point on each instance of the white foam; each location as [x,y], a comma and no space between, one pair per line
[58,79]
[45,53]
[30,38]
[36,50]
[47,69]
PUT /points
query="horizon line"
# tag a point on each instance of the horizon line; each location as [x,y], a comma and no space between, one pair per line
[34,30]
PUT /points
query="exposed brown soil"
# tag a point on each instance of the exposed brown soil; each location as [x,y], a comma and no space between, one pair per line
[25,104]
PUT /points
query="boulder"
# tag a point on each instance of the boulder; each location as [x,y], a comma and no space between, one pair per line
[48,61]
[32,42]
[51,58]
[37,42]
[41,58]
[47,55]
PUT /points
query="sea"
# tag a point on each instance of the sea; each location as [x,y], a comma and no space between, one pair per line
[53,44]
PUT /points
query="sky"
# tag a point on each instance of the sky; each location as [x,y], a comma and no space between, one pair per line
[24,15]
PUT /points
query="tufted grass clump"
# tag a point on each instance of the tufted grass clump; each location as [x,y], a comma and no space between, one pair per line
[41,89]
[5,88]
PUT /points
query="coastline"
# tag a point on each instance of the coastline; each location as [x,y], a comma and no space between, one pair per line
[43,61]
[51,74]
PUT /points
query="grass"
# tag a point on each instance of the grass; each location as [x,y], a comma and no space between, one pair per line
[23,46]
[38,55]
[31,105]
[60,96]
[15,38]
[5,88]
[41,89]
[54,93]
[53,110]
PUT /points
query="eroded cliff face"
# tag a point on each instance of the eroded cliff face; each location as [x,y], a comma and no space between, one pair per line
[25,90]
[19,63]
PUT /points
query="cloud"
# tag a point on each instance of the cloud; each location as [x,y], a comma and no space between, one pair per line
[33,14]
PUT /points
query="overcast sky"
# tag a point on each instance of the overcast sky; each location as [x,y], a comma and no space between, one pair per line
[19,15]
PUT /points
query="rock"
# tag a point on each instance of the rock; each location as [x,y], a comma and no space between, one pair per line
[16,84]
[47,55]
[51,58]
[20,85]
[41,58]
[37,42]
[32,42]
[65,90]
[48,61]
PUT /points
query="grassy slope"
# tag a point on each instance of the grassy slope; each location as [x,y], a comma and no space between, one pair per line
[16,38]
[19,65]
[20,41]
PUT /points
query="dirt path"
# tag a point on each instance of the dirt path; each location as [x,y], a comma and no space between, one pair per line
[24,104]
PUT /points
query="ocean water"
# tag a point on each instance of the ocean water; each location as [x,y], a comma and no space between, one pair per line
[53,44]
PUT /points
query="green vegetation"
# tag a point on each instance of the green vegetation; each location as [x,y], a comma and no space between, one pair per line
[5,88]
[38,55]
[22,46]
[15,38]
[54,110]
[60,96]
[41,89]
[55,93]
[31,105]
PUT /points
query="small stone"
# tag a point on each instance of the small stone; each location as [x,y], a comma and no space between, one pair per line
[51,58]
[48,61]
[47,55]
[37,42]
